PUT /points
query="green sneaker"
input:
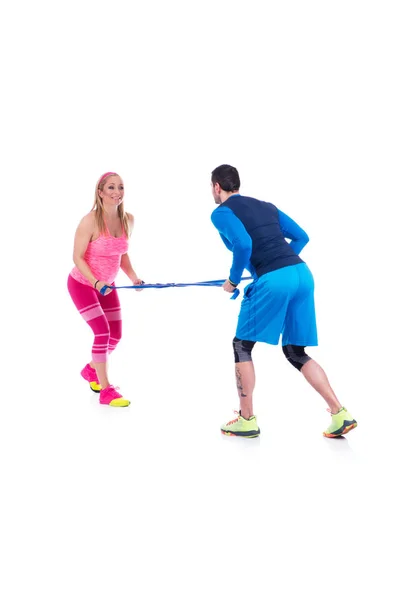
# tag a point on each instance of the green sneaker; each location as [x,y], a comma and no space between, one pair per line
[242,427]
[342,423]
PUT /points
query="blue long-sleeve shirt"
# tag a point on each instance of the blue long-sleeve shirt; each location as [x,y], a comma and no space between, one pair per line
[255,232]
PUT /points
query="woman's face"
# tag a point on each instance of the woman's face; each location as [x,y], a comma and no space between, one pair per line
[113,191]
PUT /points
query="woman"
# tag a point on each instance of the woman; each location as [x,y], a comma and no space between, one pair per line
[100,250]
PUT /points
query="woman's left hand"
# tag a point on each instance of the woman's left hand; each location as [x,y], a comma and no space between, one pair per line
[138,282]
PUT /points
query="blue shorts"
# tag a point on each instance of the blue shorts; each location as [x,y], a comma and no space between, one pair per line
[280,303]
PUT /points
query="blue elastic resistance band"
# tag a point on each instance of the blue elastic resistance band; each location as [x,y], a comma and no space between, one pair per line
[217,282]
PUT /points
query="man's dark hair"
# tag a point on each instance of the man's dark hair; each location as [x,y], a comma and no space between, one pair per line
[227,177]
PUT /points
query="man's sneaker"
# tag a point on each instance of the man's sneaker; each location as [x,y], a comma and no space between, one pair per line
[90,375]
[342,423]
[111,397]
[242,427]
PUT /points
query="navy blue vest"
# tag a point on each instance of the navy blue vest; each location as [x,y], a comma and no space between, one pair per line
[270,250]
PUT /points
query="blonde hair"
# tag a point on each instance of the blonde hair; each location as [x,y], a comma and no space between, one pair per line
[99,209]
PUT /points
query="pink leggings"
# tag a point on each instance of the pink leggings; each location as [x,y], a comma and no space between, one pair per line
[102,313]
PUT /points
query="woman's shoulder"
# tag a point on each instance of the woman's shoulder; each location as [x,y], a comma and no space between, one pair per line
[88,221]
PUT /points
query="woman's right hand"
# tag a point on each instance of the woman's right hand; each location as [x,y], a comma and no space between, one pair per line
[101,284]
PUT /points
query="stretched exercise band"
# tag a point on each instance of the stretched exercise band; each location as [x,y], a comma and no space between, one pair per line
[217,282]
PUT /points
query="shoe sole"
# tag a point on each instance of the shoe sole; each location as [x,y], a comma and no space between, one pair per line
[117,403]
[90,385]
[95,391]
[341,431]
[251,434]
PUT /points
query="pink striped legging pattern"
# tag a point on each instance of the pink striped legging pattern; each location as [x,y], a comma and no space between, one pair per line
[101,313]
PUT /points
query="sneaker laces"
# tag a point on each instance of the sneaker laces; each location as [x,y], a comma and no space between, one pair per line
[236,419]
[111,387]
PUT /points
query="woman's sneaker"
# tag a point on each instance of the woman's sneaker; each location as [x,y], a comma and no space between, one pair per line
[342,423]
[90,375]
[111,397]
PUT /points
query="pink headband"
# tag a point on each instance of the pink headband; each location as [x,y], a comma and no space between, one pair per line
[106,175]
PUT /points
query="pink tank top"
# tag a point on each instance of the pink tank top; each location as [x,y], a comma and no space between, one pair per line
[103,256]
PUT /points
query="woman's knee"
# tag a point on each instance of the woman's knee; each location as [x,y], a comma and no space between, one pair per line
[115,334]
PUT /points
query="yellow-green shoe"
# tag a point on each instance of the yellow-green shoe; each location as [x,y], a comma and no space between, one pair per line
[241,427]
[342,423]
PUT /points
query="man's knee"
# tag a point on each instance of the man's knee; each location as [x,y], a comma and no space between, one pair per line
[242,350]
[296,355]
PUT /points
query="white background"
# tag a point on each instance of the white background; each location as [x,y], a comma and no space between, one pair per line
[150,502]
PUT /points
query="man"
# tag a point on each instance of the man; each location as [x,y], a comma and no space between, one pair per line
[280,301]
